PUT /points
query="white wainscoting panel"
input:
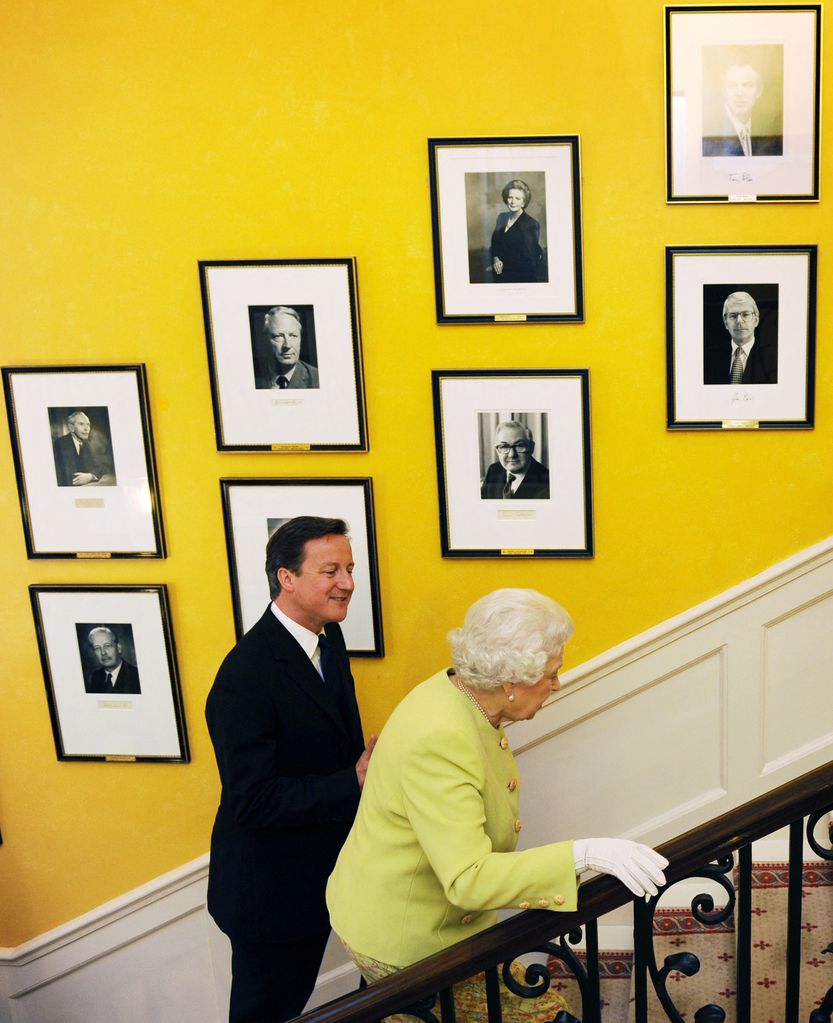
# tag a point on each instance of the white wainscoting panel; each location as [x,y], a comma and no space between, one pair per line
[690,719]
[651,738]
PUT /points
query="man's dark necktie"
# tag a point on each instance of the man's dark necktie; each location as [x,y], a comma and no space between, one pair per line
[109,680]
[329,668]
[507,487]
[283,382]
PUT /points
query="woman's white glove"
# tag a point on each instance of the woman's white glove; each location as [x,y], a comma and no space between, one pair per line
[637,866]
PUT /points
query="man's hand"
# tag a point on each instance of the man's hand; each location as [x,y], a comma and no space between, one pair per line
[364,760]
[81,479]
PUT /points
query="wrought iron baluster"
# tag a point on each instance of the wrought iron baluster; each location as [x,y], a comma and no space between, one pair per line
[743,931]
[447,1007]
[702,909]
[794,887]
[537,977]
[824,1012]
[493,996]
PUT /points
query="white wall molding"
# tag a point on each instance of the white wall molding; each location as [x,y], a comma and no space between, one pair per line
[655,736]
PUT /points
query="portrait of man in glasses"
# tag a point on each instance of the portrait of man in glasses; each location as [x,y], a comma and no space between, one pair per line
[741,353]
[516,475]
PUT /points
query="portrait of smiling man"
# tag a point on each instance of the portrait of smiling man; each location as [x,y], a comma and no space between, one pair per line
[516,474]
[278,362]
[284,722]
[745,116]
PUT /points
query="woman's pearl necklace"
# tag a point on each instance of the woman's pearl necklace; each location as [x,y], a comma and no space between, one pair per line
[468,693]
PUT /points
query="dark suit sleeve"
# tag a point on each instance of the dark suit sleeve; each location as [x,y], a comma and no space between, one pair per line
[262,789]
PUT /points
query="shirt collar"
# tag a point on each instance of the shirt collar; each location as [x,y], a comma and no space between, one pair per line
[308,641]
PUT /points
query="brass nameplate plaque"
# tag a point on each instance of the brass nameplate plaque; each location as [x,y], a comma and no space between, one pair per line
[517,513]
[740,424]
[511,552]
[742,197]
[120,759]
[510,317]
[287,401]
[93,554]
[290,447]
[116,704]
[89,502]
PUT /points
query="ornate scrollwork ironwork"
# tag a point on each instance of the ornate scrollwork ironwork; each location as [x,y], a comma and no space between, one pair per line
[812,821]
[537,979]
[703,910]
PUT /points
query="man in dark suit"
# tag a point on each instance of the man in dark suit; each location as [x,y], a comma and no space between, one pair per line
[741,358]
[287,736]
[75,465]
[283,368]
[741,89]
[115,675]
[516,474]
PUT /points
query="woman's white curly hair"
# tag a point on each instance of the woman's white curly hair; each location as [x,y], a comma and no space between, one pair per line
[508,636]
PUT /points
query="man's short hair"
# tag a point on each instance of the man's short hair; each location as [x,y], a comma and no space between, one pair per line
[285,548]
[287,310]
[74,415]
[740,296]
[101,628]
[513,424]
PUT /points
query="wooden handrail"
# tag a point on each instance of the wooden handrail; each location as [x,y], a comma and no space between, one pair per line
[686,854]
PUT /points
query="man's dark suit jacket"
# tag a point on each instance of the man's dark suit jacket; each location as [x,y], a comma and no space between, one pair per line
[305,376]
[127,681]
[286,748]
[761,366]
[535,484]
[519,250]
[727,143]
[68,461]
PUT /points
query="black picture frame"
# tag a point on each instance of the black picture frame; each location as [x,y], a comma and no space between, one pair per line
[742,103]
[95,496]
[140,716]
[774,288]
[254,507]
[550,511]
[284,354]
[486,269]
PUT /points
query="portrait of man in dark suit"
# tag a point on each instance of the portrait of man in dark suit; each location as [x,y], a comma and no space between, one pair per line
[112,672]
[81,447]
[741,347]
[285,726]
[281,334]
[516,474]
[746,118]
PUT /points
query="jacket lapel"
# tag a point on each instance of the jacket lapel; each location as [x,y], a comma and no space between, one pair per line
[298,669]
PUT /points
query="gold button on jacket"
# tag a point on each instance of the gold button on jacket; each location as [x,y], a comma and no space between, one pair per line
[559,900]
[518,825]
[524,905]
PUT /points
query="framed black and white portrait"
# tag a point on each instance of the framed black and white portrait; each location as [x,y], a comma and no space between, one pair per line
[84,460]
[110,670]
[742,103]
[254,508]
[284,354]
[506,216]
[513,462]
[740,336]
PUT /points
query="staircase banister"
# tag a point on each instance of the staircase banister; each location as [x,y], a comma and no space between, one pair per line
[510,938]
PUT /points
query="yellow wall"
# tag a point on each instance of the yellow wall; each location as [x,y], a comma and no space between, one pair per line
[139,136]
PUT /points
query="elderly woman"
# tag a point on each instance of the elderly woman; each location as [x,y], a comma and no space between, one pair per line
[431,855]
[516,252]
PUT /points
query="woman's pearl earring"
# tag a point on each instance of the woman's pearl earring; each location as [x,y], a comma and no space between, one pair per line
[511,697]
